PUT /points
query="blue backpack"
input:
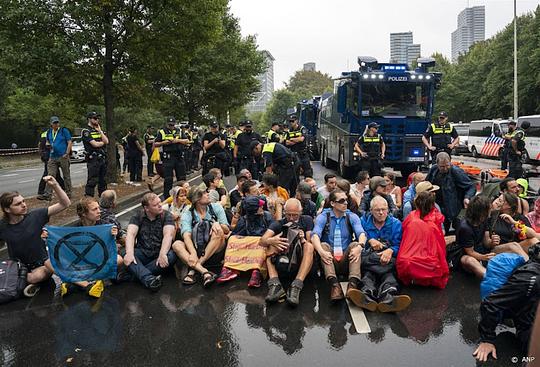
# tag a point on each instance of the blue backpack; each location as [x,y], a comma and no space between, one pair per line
[498,271]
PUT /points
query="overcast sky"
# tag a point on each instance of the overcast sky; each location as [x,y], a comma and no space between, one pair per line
[332,33]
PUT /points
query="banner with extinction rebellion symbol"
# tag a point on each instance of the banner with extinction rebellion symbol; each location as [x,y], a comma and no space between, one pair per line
[82,253]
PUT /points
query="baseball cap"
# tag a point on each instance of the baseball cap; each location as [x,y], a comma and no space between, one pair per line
[373,124]
[512,122]
[241,123]
[253,144]
[171,120]
[443,114]
[426,186]
[376,181]
[304,189]
[251,204]
[54,119]
[228,126]
[214,124]
[248,123]
[92,115]
[292,118]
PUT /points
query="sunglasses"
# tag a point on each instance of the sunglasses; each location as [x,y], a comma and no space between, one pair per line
[341,201]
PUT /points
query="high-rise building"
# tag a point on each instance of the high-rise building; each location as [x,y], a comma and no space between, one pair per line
[413,53]
[261,98]
[471,28]
[309,66]
[398,46]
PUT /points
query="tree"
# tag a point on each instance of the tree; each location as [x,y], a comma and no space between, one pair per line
[306,84]
[277,108]
[103,44]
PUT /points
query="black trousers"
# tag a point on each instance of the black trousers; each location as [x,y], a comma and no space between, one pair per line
[377,285]
[305,163]
[437,151]
[252,165]
[172,163]
[287,177]
[515,167]
[42,184]
[149,164]
[97,169]
[372,165]
[135,168]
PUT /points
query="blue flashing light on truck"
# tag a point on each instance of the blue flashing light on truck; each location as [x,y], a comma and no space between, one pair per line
[400,100]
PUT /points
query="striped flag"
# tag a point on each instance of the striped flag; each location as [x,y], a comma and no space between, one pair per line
[492,145]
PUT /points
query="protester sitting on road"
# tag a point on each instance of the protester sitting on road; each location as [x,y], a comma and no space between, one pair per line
[510,225]
[244,252]
[410,194]
[377,187]
[211,183]
[303,194]
[345,186]
[361,185]
[204,229]
[379,286]
[107,204]
[330,184]
[290,253]
[534,216]
[456,189]
[421,258]
[275,195]
[338,238]
[221,188]
[421,187]
[148,242]
[236,194]
[89,214]
[475,237]
[247,173]
[509,184]
[21,230]
[316,196]
[249,188]
[179,205]
[517,299]
[393,190]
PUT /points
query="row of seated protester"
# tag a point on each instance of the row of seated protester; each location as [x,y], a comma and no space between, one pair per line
[372,233]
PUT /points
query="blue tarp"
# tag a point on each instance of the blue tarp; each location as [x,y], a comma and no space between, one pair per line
[498,271]
[82,253]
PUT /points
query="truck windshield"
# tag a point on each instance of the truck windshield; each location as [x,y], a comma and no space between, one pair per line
[396,99]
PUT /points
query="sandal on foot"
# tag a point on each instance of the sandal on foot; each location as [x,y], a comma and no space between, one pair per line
[189,279]
[208,279]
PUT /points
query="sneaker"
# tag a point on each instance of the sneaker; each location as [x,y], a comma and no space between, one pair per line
[362,300]
[95,289]
[30,290]
[226,275]
[255,280]
[155,284]
[67,289]
[293,295]
[275,293]
[394,303]
[44,197]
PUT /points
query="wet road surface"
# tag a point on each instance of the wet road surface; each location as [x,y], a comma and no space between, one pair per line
[230,325]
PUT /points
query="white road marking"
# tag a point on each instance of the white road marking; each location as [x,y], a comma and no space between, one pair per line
[10,175]
[26,181]
[29,169]
[138,205]
[357,314]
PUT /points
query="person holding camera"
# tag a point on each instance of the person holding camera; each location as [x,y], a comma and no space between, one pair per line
[290,252]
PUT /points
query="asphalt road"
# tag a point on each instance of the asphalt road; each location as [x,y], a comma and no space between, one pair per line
[230,325]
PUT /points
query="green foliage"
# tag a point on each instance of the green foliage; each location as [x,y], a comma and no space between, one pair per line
[307,84]
[480,84]
[276,110]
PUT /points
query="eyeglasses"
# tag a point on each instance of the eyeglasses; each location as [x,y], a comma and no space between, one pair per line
[341,201]
[380,210]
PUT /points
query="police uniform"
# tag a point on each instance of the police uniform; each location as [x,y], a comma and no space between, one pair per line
[372,146]
[96,162]
[441,135]
[284,165]
[215,156]
[515,160]
[172,157]
[300,149]
[187,149]
[245,158]
[150,165]
[195,148]
[231,142]
[507,148]
[272,137]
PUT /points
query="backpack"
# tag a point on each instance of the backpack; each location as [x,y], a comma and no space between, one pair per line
[200,233]
[12,280]
[326,228]
[289,262]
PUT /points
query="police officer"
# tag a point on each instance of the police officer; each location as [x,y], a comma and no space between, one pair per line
[232,135]
[215,154]
[507,147]
[173,144]
[149,139]
[196,148]
[273,135]
[296,141]
[371,149]
[443,137]
[94,141]
[187,149]
[516,154]
[242,153]
[279,160]
[284,132]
